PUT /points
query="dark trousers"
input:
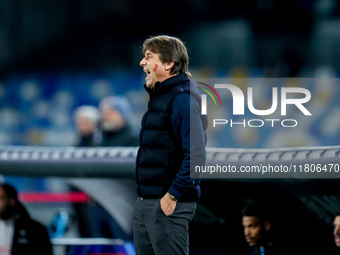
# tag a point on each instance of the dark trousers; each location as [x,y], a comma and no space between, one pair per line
[158,234]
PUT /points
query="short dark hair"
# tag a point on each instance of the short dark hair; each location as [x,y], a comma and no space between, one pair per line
[170,49]
[10,190]
[257,209]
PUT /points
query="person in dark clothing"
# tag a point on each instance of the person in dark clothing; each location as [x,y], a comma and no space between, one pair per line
[112,118]
[257,224]
[86,118]
[336,249]
[172,142]
[116,130]
[19,234]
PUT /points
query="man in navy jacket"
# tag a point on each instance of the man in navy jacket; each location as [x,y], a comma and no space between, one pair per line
[172,142]
[19,234]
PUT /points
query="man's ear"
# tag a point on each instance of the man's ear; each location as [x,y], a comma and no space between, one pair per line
[266,225]
[168,66]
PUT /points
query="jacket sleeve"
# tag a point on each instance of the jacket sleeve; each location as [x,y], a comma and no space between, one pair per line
[187,126]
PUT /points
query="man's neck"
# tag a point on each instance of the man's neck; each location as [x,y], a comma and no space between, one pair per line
[8,220]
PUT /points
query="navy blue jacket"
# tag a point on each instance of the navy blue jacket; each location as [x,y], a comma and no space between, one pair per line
[166,153]
[30,236]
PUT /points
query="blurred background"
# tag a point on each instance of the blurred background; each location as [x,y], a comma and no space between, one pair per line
[58,55]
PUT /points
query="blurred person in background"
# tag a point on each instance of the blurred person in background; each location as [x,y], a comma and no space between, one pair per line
[87,119]
[93,219]
[115,112]
[257,225]
[167,193]
[19,234]
[116,130]
[336,232]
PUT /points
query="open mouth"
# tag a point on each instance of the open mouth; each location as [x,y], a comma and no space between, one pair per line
[147,73]
[249,240]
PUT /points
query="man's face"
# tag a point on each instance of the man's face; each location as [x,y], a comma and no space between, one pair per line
[337,231]
[111,119]
[252,229]
[85,126]
[154,68]
[6,204]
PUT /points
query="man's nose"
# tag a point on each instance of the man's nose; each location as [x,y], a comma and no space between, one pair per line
[142,62]
[337,230]
[246,232]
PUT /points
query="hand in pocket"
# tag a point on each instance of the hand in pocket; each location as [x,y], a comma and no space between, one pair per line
[167,205]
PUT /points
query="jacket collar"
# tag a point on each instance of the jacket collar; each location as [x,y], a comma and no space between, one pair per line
[166,85]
